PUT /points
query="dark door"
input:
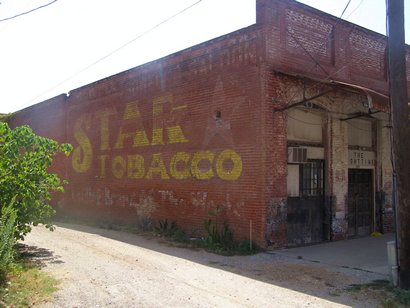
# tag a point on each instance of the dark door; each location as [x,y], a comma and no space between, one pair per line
[360,202]
[305,214]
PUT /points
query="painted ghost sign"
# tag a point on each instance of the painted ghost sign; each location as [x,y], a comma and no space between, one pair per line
[225,164]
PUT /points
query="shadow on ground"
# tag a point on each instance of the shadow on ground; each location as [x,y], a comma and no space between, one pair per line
[326,281]
[37,255]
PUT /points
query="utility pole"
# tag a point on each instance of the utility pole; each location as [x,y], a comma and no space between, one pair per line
[401,135]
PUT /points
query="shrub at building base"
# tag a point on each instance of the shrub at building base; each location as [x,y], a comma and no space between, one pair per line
[7,238]
[24,161]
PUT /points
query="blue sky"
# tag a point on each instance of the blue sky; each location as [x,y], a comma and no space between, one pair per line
[57,48]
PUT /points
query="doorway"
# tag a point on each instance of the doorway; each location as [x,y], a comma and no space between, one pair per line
[360,202]
[305,214]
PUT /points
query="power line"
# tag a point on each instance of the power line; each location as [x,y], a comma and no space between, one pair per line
[347,5]
[323,44]
[116,50]
[354,10]
[27,12]
[304,122]
[307,51]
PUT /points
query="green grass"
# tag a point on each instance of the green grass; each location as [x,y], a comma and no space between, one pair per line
[391,297]
[26,286]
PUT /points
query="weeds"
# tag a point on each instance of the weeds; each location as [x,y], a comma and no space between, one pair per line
[392,297]
[166,228]
[171,230]
[21,285]
[221,241]
[400,296]
[246,247]
[26,286]
[218,239]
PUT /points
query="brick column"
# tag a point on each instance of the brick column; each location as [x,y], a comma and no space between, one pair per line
[338,176]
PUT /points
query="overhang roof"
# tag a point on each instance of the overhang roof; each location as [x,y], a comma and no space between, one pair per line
[376,99]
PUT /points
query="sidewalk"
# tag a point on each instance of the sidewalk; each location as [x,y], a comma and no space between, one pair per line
[367,253]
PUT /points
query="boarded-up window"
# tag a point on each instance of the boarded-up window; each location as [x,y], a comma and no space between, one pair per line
[304,125]
[293,180]
[360,133]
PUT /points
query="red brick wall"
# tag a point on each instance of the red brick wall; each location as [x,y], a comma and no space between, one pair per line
[173,139]
[303,40]
[275,161]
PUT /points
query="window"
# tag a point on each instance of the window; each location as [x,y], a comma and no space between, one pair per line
[311,178]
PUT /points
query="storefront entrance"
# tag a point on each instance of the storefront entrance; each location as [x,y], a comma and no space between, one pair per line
[305,214]
[360,202]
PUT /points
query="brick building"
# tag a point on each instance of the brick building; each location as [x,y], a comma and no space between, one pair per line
[282,126]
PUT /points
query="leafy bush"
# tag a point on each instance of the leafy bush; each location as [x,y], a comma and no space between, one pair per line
[7,238]
[24,160]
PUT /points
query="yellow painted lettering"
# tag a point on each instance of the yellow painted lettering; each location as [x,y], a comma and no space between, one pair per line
[197,170]
[140,139]
[157,119]
[175,135]
[103,159]
[171,120]
[119,144]
[131,111]
[234,171]
[135,167]
[158,104]
[83,154]
[119,166]
[175,168]
[139,136]
[157,167]
[157,136]
[104,115]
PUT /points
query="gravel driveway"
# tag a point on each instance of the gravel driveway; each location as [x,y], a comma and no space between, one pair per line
[106,268]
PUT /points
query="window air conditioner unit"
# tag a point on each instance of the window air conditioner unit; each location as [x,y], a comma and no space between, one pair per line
[297,155]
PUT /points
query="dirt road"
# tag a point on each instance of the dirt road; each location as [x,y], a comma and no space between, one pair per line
[106,268]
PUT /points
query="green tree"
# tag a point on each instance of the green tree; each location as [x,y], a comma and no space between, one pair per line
[24,178]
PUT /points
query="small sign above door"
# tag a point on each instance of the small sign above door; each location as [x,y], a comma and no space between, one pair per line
[359,159]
